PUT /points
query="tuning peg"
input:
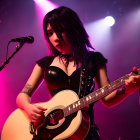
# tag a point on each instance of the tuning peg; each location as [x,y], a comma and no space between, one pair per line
[134,69]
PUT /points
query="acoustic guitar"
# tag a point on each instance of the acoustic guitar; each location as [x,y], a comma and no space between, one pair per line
[64,119]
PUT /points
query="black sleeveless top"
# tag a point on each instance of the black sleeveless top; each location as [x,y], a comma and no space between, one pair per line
[56,79]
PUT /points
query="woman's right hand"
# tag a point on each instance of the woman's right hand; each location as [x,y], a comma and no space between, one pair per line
[35,113]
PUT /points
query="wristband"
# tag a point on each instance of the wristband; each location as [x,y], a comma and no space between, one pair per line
[121,91]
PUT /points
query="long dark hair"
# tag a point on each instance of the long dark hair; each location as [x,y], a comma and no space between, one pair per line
[64,19]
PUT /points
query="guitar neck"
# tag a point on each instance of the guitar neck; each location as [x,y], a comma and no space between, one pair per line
[98,94]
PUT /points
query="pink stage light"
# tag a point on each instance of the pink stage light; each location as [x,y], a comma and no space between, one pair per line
[2,88]
[3,97]
[45,5]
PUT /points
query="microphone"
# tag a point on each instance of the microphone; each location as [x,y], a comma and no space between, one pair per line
[28,39]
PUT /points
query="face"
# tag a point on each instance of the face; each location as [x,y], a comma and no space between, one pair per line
[62,46]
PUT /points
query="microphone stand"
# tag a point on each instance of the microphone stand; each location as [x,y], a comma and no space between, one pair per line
[18,47]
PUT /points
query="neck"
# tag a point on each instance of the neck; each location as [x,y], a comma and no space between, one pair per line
[66,56]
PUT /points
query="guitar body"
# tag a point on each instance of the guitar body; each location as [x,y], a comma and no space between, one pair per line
[72,123]
[72,127]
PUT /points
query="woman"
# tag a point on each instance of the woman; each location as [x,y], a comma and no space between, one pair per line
[69,57]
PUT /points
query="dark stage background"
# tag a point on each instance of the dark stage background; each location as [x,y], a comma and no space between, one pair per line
[120,44]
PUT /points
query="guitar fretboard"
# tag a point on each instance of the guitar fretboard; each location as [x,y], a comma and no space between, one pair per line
[98,94]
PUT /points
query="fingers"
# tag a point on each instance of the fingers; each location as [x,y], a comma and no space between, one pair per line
[132,84]
[37,113]
[41,108]
[133,81]
[36,117]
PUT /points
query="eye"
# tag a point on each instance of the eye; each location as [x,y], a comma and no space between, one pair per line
[50,33]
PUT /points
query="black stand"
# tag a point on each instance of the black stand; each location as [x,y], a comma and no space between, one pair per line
[18,47]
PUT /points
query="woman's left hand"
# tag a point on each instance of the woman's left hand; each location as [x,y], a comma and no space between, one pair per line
[132,84]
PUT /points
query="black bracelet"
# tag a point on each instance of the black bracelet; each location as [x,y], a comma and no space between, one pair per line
[121,91]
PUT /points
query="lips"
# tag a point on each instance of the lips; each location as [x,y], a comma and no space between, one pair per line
[59,45]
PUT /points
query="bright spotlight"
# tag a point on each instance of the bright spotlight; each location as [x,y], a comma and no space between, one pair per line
[45,5]
[109,21]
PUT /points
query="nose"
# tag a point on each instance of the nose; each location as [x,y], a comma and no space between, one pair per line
[55,37]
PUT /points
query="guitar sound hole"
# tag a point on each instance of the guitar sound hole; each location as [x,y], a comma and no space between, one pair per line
[54,117]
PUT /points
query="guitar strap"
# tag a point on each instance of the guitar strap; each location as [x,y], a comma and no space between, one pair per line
[81,92]
[87,85]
